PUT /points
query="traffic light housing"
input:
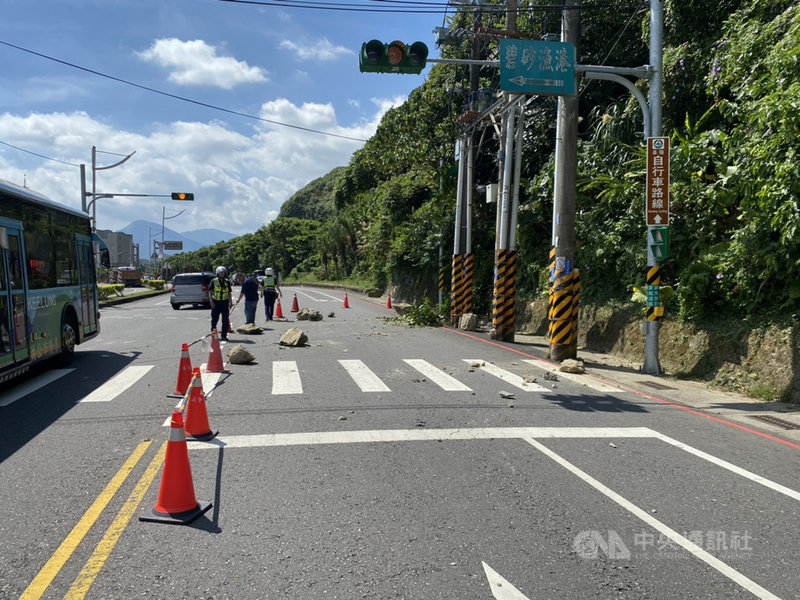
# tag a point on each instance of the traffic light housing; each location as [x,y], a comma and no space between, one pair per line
[395,57]
[182,196]
[659,242]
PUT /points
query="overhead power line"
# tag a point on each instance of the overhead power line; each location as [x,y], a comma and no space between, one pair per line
[39,155]
[408,6]
[181,98]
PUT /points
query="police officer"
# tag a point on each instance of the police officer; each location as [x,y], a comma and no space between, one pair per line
[271,290]
[219,296]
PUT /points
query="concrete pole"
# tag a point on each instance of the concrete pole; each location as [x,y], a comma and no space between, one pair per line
[566,173]
[651,328]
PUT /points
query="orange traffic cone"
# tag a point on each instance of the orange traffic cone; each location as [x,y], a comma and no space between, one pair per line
[389,302]
[214,364]
[184,374]
[346,303]
[176,501]
[196,425]
[278,312]
[295,308]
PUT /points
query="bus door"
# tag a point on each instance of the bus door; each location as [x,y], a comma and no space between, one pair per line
[13,322]
[88,283]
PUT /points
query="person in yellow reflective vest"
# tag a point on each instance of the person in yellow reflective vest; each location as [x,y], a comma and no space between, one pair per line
[271,290]
[219,296]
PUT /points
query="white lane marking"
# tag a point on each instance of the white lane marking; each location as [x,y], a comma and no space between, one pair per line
[209,381]
[310,297]
[26,388]
[421,435]
[506,376]
[329,296]
[286,378]
[731,467]
[501,588]
[586,380]
[364,378]
[437,376]
[711,560]
[117,384]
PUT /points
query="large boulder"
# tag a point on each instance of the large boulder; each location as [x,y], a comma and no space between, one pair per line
[239,355]
[293,337]
[249,329]
[469,322]
[570,365]
[401,308]
[309,314]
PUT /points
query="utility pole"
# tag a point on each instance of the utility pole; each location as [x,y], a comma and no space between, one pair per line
[505,262]
[651,327]
[563,326]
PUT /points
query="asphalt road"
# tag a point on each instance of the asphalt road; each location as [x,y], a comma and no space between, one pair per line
[381,461]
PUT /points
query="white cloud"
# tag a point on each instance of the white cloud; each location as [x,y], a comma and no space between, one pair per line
[240,180]
[322,50]
[197,63]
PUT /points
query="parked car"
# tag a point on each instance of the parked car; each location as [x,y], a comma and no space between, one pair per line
[190,288]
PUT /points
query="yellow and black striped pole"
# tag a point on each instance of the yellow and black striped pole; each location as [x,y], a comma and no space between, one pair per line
[504,298]
[561,318]
[655,309]
[461,287]
[456,287]
[467,267]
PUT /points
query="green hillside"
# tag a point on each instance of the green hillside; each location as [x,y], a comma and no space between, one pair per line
[730,105]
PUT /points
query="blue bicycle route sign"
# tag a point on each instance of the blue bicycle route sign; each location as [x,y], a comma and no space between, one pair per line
[537,67]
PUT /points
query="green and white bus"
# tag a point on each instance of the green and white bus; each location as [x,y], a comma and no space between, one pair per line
[48,282]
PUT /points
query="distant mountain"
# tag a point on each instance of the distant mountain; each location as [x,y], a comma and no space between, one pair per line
[208,237]
[146,232]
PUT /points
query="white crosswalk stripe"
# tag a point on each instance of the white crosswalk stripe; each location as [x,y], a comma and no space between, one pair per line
[117,384]
[364,378]
[586,380]
[510,378]
[439,377]
[286,378]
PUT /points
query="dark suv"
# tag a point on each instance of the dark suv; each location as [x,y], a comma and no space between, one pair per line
[190,288]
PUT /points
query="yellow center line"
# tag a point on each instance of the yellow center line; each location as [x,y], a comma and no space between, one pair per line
[85,579]
[54,564]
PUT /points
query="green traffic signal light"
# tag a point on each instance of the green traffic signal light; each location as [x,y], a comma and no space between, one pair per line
[182,196]
[659,242]
[373,52]
[417,55]
[395,57]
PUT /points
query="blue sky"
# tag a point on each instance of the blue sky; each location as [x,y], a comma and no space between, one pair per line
[278,63]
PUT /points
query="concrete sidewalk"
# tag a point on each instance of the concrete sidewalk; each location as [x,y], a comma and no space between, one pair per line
[774,418]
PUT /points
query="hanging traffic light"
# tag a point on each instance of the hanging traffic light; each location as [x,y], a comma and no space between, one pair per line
[395,57]
[182,196]
[659,242]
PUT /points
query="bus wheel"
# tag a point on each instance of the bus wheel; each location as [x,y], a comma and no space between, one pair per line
[69,339]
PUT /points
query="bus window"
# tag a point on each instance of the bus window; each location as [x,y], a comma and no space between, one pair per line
[5,343]
[18,318]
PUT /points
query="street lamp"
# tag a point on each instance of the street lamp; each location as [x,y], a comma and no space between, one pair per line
[95,196]
[161,249]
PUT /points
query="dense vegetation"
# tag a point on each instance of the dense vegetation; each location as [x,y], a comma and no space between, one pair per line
[731,106]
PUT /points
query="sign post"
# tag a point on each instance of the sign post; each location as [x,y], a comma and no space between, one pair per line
[657,219]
